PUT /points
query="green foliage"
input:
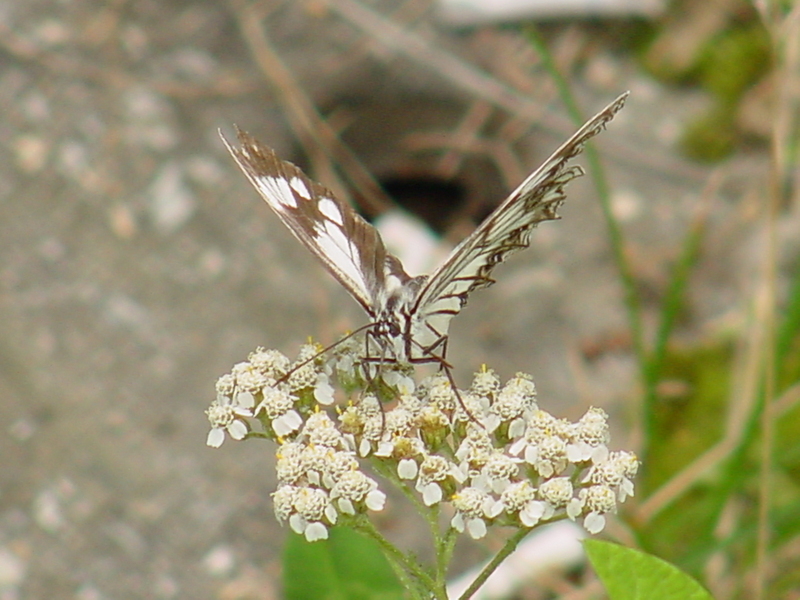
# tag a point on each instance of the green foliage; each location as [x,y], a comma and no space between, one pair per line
[347,566]
[725,55]
[728,65]
[687,421]
[710,137]
[733,61]
[629,574]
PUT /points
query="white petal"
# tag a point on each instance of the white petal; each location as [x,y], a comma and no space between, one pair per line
[594,522]
[345,363]
[625,489]
[376,500]
[600,454]
[491,422]
[294,419]
[215,437]
[459,472]
[245,399]
[517,447]
[297,523]
[316,531]
[406,385]
[493,508]
[457,522]
[346,506]
[579,452]
[482,482]
[517,428]
[532,513]
[330,512]
[384,449]
[545,468]
[476,528]
[463,450]
[237,430]
[323,391]
[499,485]
[432,494]
[280,428]
[287,423]
[407,469]
[574,508]
[364,448]
[391,378]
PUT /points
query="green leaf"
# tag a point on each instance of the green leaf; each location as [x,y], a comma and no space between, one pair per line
[345,566]
[629,574]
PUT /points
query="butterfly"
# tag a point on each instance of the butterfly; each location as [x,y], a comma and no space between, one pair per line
[410,316]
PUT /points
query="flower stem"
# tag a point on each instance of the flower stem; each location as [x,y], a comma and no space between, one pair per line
[407,569]
[507,549]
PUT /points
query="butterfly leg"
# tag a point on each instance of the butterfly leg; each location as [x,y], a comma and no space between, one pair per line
[428,355]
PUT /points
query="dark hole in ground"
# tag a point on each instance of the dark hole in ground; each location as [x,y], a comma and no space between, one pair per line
[433,200]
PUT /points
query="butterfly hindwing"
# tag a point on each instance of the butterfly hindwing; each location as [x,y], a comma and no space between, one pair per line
[506,230]
[349,247]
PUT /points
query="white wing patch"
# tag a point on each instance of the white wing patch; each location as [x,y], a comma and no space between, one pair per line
[340,250]
[278,189]
[328,208]
[349,247]
[300,187]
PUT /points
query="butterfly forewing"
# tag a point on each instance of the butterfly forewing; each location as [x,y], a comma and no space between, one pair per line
[349,247]
[505,231]
[410,317]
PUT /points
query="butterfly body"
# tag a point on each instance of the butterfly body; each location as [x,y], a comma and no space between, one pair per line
[409,316]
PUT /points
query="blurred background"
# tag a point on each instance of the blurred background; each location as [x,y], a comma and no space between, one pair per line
[137,264]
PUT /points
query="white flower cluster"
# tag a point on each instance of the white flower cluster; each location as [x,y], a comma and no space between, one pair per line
[489,451]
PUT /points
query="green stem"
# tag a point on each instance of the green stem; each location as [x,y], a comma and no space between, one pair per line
[407,569]
[441,547]
[505,551]
[444,552]
[444,544]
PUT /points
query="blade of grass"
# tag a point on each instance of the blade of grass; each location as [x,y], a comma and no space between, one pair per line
[616,238]
[673,301]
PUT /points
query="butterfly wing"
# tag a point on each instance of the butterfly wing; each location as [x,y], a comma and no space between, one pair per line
[504,232]
[349,247]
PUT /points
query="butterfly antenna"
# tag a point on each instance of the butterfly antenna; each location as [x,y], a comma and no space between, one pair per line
[326,349]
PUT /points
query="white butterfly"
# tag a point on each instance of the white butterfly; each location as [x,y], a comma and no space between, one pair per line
[410,315]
